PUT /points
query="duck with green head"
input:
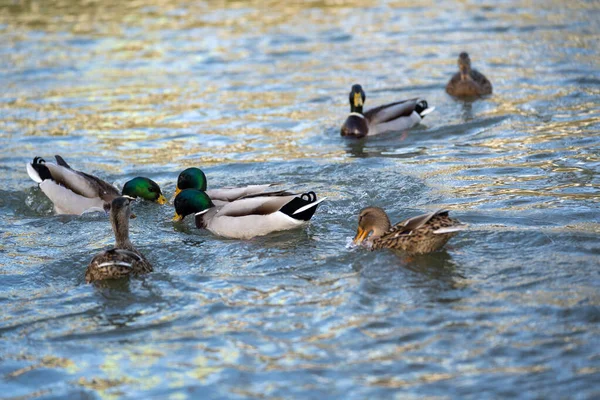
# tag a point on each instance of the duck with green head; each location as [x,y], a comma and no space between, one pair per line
[397,116]
[144,188]
[194,178]
[75,192]
[249,217]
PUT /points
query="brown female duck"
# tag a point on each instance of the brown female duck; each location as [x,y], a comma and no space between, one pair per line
[468,82]
[421,234]
[123,259]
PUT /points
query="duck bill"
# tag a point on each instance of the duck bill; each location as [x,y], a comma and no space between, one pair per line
[358,100]
[178,217]
[361,235]
[177,191]
[161,199]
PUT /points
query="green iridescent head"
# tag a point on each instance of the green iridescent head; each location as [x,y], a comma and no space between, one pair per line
[191,178]
[145,188]
[191,201]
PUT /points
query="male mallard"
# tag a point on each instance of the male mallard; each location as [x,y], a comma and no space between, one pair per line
[421,234]
[247,217]
[194,178]
[388,117]
[468,82]
[75,192]
[123,259]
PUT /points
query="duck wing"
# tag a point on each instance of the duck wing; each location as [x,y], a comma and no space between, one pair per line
[233,193]
[78,182]
[407,226]
[484,83]
[392,111]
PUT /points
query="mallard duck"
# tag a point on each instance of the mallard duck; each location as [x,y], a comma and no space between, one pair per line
[468,82]
[247,217]
[421,234]
[194,178]
[75,192]
[123,259]
[396,116]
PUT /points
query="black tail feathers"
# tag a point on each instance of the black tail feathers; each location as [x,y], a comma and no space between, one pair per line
[421,106]
[291,208]
[41,169]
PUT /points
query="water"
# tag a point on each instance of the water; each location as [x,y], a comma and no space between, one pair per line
[255,92]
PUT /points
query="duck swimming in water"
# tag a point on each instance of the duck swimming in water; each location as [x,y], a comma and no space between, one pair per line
[396,116]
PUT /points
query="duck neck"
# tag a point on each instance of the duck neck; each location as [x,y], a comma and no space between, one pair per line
[465,73]
[121,230]
[381,227]
[355,109]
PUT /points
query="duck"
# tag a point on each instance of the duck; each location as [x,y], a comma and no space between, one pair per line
[248,217]
[123,259]
[396,116]
[194,178]
[422,234]
[468,82]
[75,192]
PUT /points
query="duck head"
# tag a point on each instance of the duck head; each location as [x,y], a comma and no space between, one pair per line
[191,178]
[145,188]
[464,65]
[371,221]
[357,99]
[191,201]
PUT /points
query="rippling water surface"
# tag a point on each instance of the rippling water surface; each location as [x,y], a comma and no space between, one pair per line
[255,92]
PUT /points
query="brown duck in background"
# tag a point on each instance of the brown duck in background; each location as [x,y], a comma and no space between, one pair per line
[468,82]
[421,234]
[122,260]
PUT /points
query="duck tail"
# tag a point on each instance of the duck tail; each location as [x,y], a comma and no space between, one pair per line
[61,161]
[451,229]
[303,207]
[37,171]
[422,108]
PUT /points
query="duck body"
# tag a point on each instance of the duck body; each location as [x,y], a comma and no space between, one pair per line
[396,116]
[194,178]
[123,259]
[424,233]
[75,192]
[248,217]
[468,82]
[71,192]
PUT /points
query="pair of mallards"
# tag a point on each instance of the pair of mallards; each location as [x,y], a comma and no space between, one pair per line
[402,115]
[240,212]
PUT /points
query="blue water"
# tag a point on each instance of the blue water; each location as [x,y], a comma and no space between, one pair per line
[255,92]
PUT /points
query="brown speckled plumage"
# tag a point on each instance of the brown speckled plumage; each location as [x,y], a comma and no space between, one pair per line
[122,260]
[415,235]
[468,82]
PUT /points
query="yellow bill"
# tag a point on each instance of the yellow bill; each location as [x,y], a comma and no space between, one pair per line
[162,200]
[361,235]
[358,100]
[177,217]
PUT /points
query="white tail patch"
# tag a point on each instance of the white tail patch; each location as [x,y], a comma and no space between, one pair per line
[306,207]
[33,174]
[115,263]
[450,229]
[427,111]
